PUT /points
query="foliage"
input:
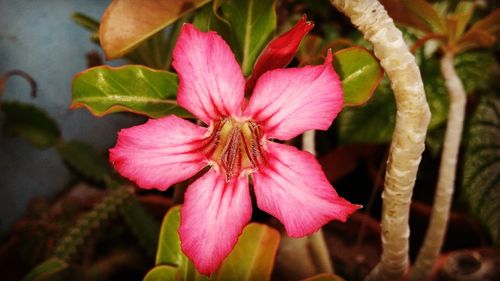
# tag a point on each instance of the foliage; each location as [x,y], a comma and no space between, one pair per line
[371,123]
[33,124]
[251,259]
[85,159]
[374,122]
[46,270]
[253,23]
[360,74]
[481,180]
[72,243]
[135,88]
[448,25]
[123,25]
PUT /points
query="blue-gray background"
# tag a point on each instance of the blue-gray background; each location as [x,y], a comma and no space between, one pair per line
[38,37]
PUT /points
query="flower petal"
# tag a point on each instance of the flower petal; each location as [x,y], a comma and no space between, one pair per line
[160,152]
[211,82]
[292,187]
[212,219]
[288,102]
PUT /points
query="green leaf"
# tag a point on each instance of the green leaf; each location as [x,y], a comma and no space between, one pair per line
[471,68]
[252,258]
[371,123]
[324,277]
[253,23]
[206,20]
[360,73]
[85,159]
[481,179]
[46,269]
[169,247]
[31,123]
[133,88]
[162,273]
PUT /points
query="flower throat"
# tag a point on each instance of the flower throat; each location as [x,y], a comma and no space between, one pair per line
[235,146]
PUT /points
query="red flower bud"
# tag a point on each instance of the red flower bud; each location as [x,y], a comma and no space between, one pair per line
[280,51]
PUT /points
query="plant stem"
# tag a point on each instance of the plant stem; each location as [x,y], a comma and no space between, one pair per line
[447,171]
[408,140]
[71,244]
[316,241]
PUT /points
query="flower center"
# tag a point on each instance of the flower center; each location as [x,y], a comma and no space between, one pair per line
[235,146]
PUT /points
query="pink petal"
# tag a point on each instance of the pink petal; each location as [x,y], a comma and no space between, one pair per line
[293,188]
[212,219]
[160,152]
[280,51]
[287,102]
[211,82]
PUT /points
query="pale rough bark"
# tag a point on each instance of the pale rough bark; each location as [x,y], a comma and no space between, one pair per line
[316,241]
[447,171]
[408,140]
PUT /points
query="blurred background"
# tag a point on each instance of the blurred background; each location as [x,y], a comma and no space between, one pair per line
[40,38]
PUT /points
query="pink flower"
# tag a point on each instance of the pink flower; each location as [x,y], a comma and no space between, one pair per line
[288,183]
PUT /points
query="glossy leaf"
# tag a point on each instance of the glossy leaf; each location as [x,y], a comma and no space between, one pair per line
[425,12]
[162,273]
[206,20]
[126,23]
[85,159]
[253,23]
[154,52]
[325,277]
[371,123]
[280,51]
[169,247]
[46,269]
[31,123]
[134,88]
[252,258]
[360,73]
[481,179]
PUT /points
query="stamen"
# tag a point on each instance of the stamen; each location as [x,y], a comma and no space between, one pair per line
[234,146]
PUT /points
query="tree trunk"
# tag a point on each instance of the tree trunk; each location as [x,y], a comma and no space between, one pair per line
[447,171]
[408,140]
